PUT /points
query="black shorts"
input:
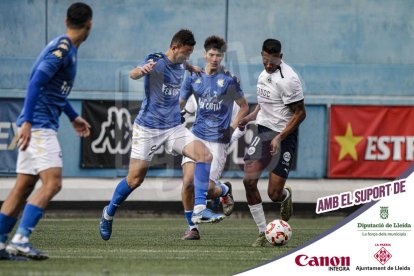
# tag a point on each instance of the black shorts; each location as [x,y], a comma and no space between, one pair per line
[259,149]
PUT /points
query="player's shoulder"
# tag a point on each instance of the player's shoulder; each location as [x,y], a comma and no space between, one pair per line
[154,57]
[232,77]
[60,46]
[288,70]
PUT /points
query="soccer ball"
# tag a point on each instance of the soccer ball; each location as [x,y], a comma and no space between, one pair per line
[278,232]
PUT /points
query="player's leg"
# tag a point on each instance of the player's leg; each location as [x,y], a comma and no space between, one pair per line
[136,173]
[197,151]
[11,208]
[33,211]
[279,193]
[252,171]
[220,191]
[183,142]
[144,143]
[187,196]
[277,177]
[257,158]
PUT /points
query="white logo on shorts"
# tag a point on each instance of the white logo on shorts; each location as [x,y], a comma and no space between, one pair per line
[251,150]
[286,156]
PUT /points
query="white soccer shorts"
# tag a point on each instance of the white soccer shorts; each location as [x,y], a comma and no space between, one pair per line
[219,152]
[43,153]
[145,141]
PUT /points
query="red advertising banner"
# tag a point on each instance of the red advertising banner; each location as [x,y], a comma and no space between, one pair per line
[370,141]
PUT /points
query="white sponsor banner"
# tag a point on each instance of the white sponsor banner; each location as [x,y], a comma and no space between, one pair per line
[375,240]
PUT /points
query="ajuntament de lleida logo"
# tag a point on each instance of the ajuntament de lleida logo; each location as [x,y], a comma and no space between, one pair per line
[384,212]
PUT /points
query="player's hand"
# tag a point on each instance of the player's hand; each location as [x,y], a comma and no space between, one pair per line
[196,69]
[237,134]
[147,68]
[81,127]
[242,123]
[275,145]
[25,133]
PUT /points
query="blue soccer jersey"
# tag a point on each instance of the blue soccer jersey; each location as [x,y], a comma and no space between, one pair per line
[160,108]
[215,96]
[56,65]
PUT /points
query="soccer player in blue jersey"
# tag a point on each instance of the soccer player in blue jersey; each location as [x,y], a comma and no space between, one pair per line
[159,123]
[39,154]
[215,90]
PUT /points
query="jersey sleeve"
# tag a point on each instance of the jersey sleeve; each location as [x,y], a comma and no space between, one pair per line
[55,58]
[186,90]
[155,57]
[292,91]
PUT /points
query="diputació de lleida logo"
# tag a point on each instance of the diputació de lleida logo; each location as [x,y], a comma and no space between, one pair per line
[384,212]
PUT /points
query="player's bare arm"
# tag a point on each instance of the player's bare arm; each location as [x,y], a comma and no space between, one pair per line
[299,114]
[25,133]
[81,126]
[193,69]
[251,117]
[140,71]
[243,111]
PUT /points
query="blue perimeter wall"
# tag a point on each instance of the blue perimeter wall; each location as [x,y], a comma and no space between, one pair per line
[347,52]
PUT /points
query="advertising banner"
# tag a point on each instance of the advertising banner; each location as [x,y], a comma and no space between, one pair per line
[10,109]
[370,141]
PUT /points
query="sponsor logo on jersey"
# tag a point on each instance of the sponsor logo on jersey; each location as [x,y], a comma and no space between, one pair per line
[169,90]
[263,92]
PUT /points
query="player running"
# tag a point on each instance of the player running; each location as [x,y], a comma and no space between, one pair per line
[159,123]
[278,114]
[40,156]
[215,91]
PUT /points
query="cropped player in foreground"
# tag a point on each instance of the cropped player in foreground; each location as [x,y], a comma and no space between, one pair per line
[278,114]
[215,90]
[39,154]
[159,123]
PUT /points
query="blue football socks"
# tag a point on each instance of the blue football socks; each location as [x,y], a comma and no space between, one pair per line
[30,218]
[201,181]
[6,226]
[122,191]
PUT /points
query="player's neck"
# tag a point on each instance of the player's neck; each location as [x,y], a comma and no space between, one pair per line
[170,55]
[211,71]
[75,37]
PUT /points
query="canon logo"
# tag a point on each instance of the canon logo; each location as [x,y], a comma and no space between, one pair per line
[303,260]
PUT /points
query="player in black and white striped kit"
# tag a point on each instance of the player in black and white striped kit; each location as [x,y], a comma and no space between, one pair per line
[278,114]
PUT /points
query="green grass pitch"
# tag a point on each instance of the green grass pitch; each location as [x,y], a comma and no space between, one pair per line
[152,246]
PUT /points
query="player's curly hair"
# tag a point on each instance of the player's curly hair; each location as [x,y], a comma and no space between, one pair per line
[78,15]
[215,42]
[272,46]
[183,37]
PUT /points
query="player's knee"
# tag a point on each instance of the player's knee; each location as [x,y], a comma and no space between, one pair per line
[188,186]
[134,181]
[249,184]
[52,189]
[206,157]
[275,195]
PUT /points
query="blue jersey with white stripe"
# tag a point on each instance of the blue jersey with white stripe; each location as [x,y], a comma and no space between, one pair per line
[160,108]
[58,62]
[215,96]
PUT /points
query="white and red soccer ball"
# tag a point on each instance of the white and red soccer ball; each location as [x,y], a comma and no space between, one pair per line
[278,232]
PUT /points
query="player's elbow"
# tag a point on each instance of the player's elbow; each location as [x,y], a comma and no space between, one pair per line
[135,73]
